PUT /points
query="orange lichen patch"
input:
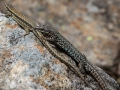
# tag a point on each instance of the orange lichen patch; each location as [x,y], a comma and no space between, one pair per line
[41,81]
[40,48]
[55,79]
[18,68]
[1,60]
[11,26]
[6,53]
[43,78]
[56,61]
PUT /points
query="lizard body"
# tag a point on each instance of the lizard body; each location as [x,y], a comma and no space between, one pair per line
[28,25]
[55,38]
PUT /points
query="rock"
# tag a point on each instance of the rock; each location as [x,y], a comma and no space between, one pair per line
[27,65]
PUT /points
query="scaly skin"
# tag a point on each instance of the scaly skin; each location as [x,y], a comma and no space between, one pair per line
[28,25]
[55,38]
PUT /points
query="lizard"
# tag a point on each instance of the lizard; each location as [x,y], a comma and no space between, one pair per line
[55,38]
[28,25]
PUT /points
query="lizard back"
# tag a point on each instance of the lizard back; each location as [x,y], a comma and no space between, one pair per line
[54,37]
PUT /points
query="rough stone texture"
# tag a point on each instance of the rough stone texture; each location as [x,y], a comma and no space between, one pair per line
[92,26]
[27,65]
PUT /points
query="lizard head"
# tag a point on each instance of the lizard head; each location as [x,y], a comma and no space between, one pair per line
[47,31]
[9,9]
[43,29]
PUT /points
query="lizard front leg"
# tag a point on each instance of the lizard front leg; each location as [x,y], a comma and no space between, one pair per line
[8,14]
[27,30]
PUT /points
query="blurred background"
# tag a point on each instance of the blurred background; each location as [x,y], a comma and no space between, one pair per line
[92,26]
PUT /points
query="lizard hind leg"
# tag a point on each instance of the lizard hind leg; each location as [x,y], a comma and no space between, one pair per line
[83,78]
[81,67]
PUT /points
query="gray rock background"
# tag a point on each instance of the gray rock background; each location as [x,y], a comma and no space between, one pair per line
[92,26]
[26,65]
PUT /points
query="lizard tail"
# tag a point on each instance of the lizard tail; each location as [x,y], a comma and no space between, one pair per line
[98,78]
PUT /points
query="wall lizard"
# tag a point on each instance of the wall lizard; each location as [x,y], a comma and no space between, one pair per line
[55,38]
[28,25]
